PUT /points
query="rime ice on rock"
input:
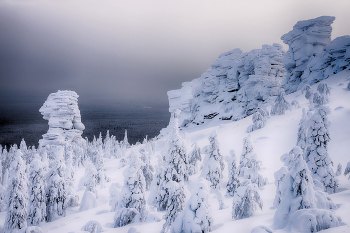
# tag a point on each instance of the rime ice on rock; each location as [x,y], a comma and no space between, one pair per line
[232,87]
[307,38]
[62,112]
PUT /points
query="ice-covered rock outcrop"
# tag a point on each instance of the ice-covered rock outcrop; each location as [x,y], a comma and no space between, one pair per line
[312,56]
[232,87]
[62,111]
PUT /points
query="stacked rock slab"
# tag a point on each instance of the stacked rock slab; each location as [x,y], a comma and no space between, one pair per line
[62,111]
[308,38]
[232,87]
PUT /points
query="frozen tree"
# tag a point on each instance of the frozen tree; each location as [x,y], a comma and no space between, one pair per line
[348,87]
[146,167]
[16,216]
[249,166]
[316,154]
[297,188]
[321,97]
[302,131]
[281,105]
[69,174]
[175,204]
[56,194]
[3,185]
[125,141]
[246,200]
[174,166]
[133,193]
[37,195]
[214,164]
[295,104]
[194,159]
[258,122]
[90,177]
[99,164]
[233,180]
[339,170]
[347,170]
[93,226]
[197,216]
[308,92]
[107,145]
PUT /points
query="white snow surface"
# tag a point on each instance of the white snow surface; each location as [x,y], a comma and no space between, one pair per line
[278,137]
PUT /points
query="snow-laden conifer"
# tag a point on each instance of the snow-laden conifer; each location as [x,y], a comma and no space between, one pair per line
[259,119]
[233,180]
[302,131]
[90,177]
[69,174]
[249,166]
[146,167]
[321,97]
[56,193]
[297,189]
[175,204]
[174,166]
[316,154]
[281,104]
[37,195]
[194,159]
[246,200]
[347,170]
[339,170]
[214,165]
[308,93]
[133,194]
[16,216]
[196,216]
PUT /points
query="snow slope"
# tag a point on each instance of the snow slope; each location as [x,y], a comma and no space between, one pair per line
[276,138]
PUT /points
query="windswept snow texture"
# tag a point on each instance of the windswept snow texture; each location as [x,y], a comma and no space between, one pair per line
[232,87]
[62,111]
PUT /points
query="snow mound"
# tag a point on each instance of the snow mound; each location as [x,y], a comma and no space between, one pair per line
[62,111]
[33,229]
[93,227]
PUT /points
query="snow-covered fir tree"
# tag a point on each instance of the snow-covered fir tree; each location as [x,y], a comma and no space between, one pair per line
[259,119]
[69,174]
[90,177]
[175,204]
[196,216]
[174,167]
[3,186]
[99,164]
[214,165]
[308,92]
[194,159]
[347,170]
[246,200]
[316,154]
[339,170]
[37,195]
[249,166]
[16,216]
[233,180]
[56,193]
[133,193]
[146,167]
[321,97]
[281,104]
[297,188]
[302,131]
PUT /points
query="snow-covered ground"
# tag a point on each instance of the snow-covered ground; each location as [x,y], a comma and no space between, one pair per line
[278,137]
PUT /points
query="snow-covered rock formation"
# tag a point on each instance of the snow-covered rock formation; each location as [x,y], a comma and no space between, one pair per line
[62,111]
[232,87]
[312,56]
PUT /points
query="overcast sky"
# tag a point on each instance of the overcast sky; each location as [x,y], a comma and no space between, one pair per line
[134,51]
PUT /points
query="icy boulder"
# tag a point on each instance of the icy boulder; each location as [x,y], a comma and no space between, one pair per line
[62,111]
[307,38]
[232,87]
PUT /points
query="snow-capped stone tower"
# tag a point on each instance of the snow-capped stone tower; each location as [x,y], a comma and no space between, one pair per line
[307,38]
[62,111]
